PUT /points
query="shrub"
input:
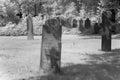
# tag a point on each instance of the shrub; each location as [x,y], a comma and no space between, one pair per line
[21,29]
[11,15]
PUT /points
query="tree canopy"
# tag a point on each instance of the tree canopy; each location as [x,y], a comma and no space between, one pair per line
[57,7]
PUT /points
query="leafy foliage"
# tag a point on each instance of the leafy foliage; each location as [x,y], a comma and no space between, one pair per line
[11,13]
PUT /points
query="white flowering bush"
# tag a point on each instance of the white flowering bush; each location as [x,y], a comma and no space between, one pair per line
[21,29]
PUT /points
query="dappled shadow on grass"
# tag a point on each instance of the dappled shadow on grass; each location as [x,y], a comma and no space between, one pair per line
[115,51]
[88,72]
[100,67]
[111,57]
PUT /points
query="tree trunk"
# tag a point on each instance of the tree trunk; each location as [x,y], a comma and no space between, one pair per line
[106,36]
[113,19]
[36,9]
[51,46]
[30,27]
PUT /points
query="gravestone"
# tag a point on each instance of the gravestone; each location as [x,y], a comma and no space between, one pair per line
[74,23]
[87,23]
[106,32]
[51,46]
[96,28]
[29,27]
[81,27]
[66,23]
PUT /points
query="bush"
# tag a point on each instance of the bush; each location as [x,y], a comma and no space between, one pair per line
[11,15]
[21,29]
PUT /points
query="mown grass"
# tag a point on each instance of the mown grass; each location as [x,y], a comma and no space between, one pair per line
[101,67]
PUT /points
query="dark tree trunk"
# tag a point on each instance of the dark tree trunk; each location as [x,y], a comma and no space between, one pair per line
[106,36]
[36,9]
[51,46]
[113,19]
[30,27]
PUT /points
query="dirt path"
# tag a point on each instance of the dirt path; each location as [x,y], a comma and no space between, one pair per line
[19,58]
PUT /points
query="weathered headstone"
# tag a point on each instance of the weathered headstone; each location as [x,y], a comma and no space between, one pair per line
[106,32]
[30,27]
[74,23]
[81,27]
[87,23]
[66,23]
[96,28]
[51,46]
[42,17]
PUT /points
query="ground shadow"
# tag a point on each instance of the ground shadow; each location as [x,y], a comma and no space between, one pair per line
[88,72]
[85,72]
[104,66]
[111,57]
[115,51]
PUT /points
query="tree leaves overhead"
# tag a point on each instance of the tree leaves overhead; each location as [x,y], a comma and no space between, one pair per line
[60,7]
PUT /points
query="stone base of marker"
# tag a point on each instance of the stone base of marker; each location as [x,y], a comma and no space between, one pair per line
[51,46]
[106,43]
[30,36]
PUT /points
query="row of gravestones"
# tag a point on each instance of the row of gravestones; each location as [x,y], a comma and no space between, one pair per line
[75,24]
[83,25]
[105,22]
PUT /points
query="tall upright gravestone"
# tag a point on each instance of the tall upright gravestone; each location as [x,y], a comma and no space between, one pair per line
[96,28]
[87,23]
[30,27]
[106,32]
[81,27]
[51,46]
[74,23]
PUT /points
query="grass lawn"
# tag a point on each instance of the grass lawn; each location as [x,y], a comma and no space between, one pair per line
[81,59]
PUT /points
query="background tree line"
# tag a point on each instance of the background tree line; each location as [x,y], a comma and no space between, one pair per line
[16,10]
